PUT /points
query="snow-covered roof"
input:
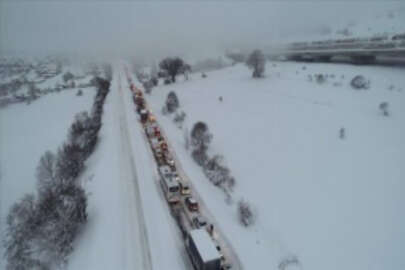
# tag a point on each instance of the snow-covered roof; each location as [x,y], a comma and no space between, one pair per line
[205,245]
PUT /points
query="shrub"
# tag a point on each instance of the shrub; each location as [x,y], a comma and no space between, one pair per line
[320,78]
[384,108]
[217,173]
[246,216]
[20,230]
[179,118]
[200,156]
[342,133]
[79,92]
[70,162]
[46,171]
[359,82]
[172,102]
[200,135]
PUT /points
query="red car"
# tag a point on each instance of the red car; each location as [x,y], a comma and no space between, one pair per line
[191,204]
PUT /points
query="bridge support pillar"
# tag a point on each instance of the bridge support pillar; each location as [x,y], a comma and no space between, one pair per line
[325,58]
[363,59]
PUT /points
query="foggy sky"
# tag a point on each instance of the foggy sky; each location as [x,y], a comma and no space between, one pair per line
[112,28]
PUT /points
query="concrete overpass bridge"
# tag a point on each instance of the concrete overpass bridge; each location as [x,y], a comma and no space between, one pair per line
[358,50]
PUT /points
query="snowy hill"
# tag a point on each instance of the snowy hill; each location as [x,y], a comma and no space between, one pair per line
[327,202]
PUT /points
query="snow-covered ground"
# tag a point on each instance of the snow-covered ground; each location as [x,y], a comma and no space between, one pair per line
[332,203]
[26,132]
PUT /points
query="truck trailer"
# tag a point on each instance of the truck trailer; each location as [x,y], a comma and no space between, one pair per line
[202,250]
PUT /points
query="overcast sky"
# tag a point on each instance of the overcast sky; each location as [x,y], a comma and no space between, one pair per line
[159,28]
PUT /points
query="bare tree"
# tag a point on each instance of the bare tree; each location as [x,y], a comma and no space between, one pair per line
[256,61]
[173,66]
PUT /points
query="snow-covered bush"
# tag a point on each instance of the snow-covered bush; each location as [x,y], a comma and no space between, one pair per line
[342,133]
[320,78]
[172,102]
[200,135]
[217,173]
[245,213]
[79,92]
[83,132]
[70,162]
[256,61]
[384,108]
[20,229]
[167,81]
[46,171]
[40,233]
[200,156]
[360,82]
[179,118]
[288,261]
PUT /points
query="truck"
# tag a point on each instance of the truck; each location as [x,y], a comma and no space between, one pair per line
[202,250]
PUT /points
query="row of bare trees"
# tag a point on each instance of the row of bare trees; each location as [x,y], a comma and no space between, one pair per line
[41,229]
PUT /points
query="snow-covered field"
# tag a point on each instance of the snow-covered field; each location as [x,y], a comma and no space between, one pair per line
[26,132]
[332,203]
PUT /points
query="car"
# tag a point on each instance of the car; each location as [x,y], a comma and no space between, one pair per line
[199,221]
[191,204]
[169,160]
[184,189]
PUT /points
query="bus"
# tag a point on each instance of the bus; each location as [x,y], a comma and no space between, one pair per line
[170,185]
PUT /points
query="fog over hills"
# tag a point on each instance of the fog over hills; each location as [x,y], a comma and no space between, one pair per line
[155,29]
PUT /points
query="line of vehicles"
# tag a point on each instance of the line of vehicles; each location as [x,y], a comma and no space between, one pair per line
[369,43]
[202,246]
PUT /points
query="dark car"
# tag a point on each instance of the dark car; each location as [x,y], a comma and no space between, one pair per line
[199,221]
